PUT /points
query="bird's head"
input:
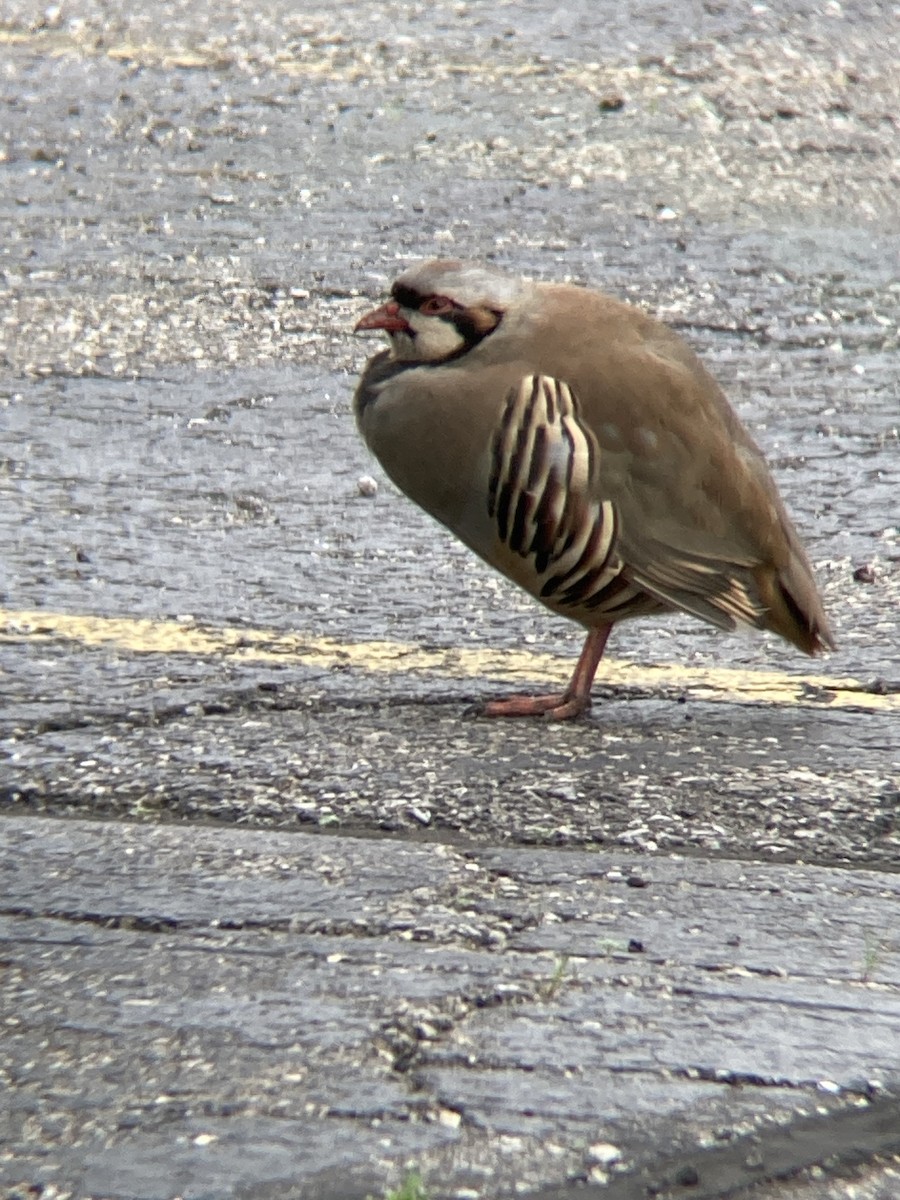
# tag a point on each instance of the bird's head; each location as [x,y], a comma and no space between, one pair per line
[442,309]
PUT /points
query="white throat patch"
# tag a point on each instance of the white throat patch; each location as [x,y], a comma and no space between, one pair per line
[434,339]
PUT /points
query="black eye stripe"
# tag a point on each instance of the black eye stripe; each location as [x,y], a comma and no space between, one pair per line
[406,296]
[409,298]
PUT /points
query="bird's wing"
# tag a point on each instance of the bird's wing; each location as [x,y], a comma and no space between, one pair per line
[556,533]
[569,512]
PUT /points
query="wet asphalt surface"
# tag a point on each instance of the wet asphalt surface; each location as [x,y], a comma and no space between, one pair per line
[455,970]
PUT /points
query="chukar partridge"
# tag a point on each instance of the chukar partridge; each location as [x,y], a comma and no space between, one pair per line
[582,449]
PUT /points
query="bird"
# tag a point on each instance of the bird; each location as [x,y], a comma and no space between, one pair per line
[580,447]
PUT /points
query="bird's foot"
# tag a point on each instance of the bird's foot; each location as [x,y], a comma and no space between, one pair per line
[560,706]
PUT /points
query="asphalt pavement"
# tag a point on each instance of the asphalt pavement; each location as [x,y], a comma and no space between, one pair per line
[281,915]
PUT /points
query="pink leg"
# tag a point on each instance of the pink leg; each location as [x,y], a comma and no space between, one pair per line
[561,706]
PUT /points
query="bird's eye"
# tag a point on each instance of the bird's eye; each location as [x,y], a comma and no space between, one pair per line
[437,306]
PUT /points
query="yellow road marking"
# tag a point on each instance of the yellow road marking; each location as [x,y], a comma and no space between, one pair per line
[141,636]
[338,60]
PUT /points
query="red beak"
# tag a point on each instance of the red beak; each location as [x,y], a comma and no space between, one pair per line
[387,318]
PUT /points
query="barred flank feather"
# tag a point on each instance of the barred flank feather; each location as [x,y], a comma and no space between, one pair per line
[544,497]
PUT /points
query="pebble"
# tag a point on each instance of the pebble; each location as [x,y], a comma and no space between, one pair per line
[602,1154]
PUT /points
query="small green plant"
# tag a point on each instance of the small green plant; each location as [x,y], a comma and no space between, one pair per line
[412,1188]
[873,949]
[548,988]
[608,946]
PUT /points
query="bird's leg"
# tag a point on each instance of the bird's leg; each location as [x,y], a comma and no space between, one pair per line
[561,706]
